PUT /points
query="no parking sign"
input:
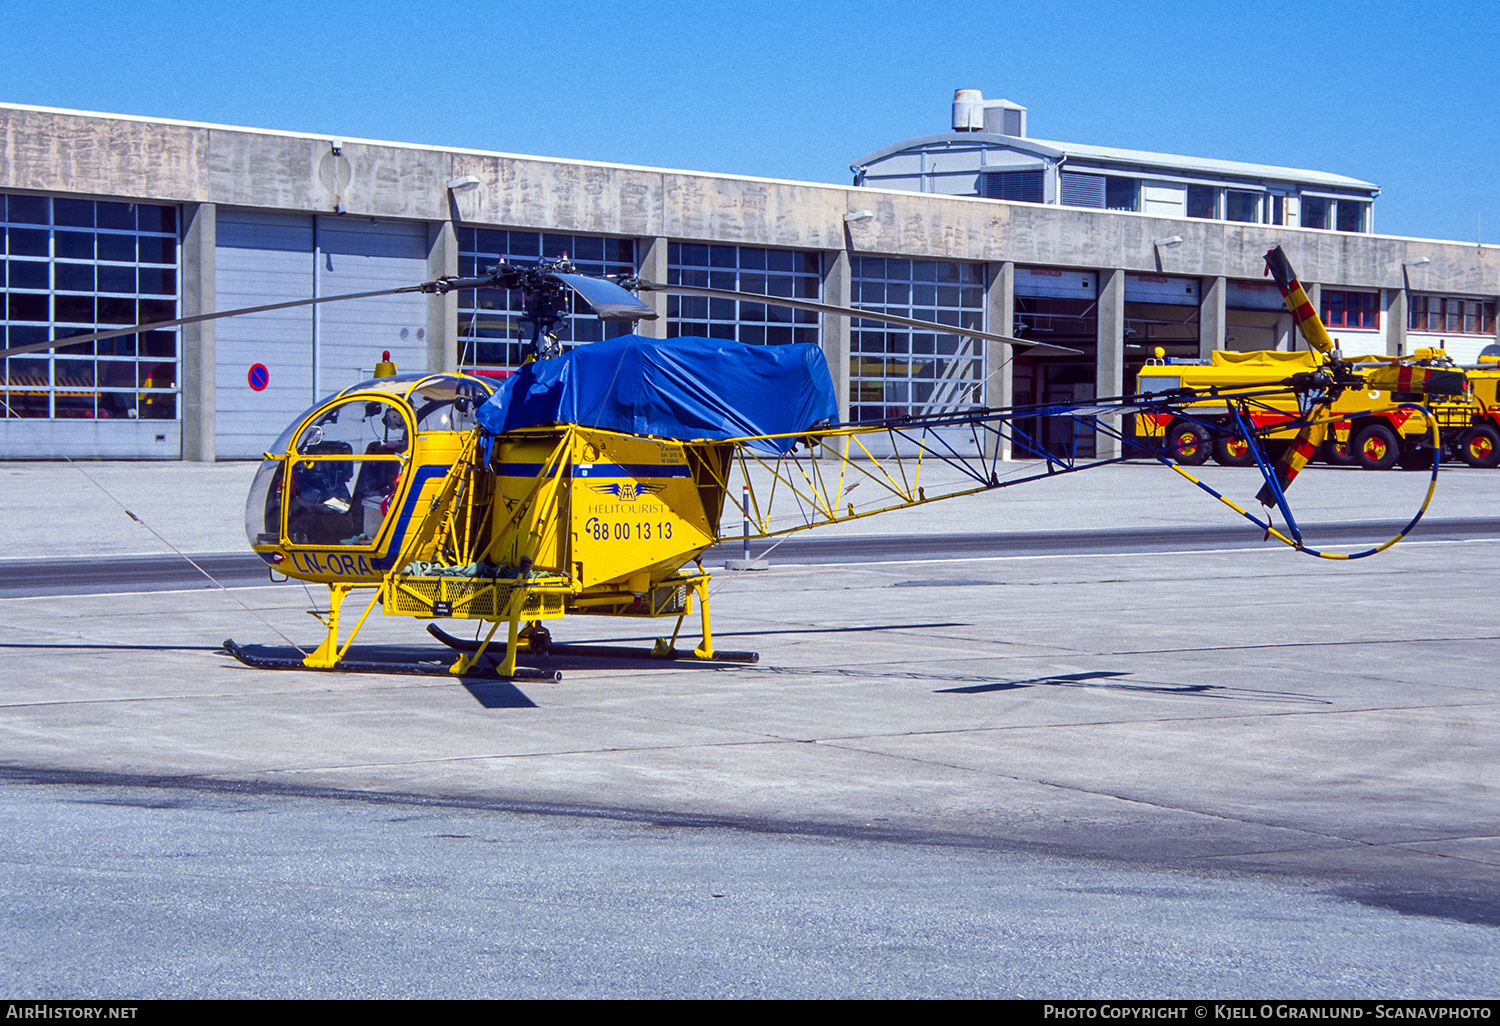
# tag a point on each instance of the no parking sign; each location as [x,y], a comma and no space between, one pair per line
[258,377]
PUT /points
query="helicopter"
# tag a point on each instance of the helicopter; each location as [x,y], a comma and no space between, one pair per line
[591,482]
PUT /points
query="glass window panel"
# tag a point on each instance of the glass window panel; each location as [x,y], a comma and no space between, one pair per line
[157,219]
[74,373]
[947,295]
[554,246]
[154,310]
[117,373]
[116,247]
[158,251]
[27,274]
[28,371]
[1314,212]
[917,270]
[585,248]
[120,345]
[753,334]
[720,309]
[723,256]
[947,272]
[73,212]
[486,240]
[73,404]
[694,256]
[119,310]
[116,215]
[26,209]
[159,343]
[162,281]
[1202,201]
[73,245]
[158,375]
[117,405]
[1351,216]
[25,334]
[80,277]
[25,306]
[158,406]
[1241,206]
[779,260]
[27,242]
[81,349]
[1121,193]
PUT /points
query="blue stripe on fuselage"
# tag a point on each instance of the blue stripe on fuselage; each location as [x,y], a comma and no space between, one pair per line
[414,492]
[634,470]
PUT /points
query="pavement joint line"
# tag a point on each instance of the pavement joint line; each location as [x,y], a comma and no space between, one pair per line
[1256,547]
[1148,803]
[1135,721]
[1302,644]
[769,739]
[866,831]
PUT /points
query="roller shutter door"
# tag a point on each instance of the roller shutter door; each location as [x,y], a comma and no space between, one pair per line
[265,258]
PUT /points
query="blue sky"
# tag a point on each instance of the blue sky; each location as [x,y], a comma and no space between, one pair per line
[1403,95]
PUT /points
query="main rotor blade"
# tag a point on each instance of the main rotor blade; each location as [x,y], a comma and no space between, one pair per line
[134,329]
[1036,348]
[608,300]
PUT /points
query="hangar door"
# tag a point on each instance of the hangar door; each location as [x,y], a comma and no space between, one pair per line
[271,366]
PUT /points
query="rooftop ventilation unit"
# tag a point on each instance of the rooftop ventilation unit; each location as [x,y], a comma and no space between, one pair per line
[973,113]
[968,110]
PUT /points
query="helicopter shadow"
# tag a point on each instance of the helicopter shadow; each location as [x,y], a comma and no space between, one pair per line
[488,689]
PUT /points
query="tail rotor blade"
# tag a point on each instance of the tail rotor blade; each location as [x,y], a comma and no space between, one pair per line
[1303,448]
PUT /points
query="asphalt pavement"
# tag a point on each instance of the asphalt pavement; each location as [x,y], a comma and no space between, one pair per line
[1116,769]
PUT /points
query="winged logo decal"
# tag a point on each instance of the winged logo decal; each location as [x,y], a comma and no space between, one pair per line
[627,491]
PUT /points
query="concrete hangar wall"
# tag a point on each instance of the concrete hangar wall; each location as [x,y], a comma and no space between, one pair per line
[112,220]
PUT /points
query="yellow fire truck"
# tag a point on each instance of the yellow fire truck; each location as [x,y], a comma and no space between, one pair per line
[1371,433]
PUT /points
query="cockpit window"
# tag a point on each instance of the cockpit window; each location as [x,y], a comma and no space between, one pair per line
[341,492]
[364,427]
[448,403]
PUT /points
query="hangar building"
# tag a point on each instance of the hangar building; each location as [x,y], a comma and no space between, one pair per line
[111,220]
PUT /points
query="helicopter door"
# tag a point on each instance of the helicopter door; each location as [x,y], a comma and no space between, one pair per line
[345,474]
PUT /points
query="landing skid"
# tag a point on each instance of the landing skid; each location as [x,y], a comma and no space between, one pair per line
[261,662]
[607,651]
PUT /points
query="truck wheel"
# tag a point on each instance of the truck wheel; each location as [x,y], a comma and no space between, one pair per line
[1376,447]
[1187,443]
[1481,447]
[1233,452]
[1338,455]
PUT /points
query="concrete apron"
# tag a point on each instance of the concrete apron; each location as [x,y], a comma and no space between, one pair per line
[1256,711]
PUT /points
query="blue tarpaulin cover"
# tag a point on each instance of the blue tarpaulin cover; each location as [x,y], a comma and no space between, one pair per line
[683,388]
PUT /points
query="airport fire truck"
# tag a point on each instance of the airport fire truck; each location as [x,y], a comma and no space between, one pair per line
[1372,432]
